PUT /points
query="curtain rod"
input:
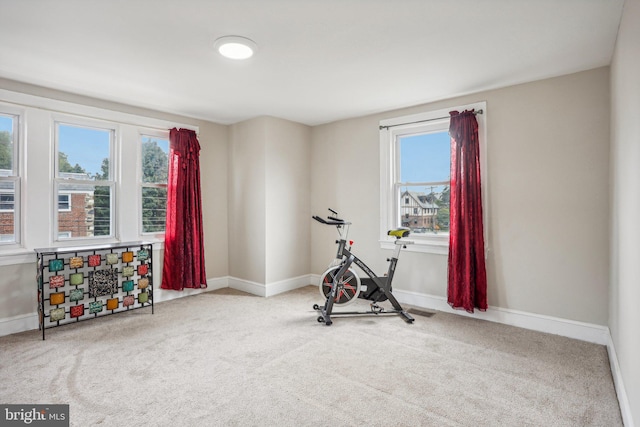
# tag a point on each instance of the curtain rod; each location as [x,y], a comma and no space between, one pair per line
[422,121]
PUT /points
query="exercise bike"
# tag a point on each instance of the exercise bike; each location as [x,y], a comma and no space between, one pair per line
[340,284]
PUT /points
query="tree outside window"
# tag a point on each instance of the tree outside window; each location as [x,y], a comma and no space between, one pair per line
[155,170]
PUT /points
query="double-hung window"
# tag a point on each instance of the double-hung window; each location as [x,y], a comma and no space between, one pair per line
[415,153]
[153,187]
[84,180]
[9,180]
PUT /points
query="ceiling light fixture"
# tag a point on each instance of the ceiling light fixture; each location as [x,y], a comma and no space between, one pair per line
[235,47]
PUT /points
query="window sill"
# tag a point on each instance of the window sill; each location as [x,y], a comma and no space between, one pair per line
[421,246]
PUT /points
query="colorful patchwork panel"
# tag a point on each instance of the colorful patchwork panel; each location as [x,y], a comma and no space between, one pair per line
[95,307]
[143,297]
[56,265]
[128,300]
[56,314]
[112,258]
[103,282]
[76,279]
[56,298]
[76,262]
[127,256]
[143,269]
[56,281]
[127,286]
[76,310]
[76,295]
[94,260]
[127,271]
[142,254]
[112,303]
[143,283]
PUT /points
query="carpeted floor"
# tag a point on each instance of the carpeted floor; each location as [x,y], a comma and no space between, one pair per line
[225,358]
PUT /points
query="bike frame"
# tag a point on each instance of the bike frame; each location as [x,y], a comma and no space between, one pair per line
[347,259]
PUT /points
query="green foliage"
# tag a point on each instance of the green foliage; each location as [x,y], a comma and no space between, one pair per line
[6,150]
[155,167]
[154,209]
[155,163]
[102,203]
[445,197]
[65,166]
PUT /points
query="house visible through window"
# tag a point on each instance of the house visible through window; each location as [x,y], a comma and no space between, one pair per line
[9,180]
[422,179]
[85,183]
[155,167]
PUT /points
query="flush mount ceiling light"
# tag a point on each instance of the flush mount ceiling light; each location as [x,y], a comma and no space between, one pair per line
[235,47]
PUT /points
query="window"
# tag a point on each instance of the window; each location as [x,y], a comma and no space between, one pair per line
[64,202]
[155,169]
[415,153]
[84,181]
[9,180]
[7,201]
[422,179]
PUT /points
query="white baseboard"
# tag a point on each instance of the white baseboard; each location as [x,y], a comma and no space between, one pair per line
[15,324]
[553,325]
[161,295]
[286,285]
[621,392]
[269,289]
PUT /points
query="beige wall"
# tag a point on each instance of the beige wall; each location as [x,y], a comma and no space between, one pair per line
[624,296]
[288,184]
[18,291]
[214,185]
[269,200]
[247,148]
[548,169]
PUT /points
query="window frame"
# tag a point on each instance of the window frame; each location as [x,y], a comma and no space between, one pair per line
[153,133]
[425,122]
[18,123]
[111,182]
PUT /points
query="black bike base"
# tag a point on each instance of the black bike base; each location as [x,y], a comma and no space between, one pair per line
[326,317]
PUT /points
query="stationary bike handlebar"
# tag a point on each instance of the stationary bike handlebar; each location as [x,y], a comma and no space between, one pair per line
[331,220]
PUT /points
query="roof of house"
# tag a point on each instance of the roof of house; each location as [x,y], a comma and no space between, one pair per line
[421,199]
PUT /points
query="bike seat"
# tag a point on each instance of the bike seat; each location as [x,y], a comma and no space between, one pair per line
[399,233]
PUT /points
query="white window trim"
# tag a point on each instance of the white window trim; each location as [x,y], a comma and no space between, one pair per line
[389,130]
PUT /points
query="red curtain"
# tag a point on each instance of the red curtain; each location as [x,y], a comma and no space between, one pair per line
[467,282]
[183,242]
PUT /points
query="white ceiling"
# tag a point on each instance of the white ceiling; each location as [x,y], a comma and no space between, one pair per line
[318,60]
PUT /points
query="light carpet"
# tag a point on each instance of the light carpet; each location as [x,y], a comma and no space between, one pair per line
[226,358]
